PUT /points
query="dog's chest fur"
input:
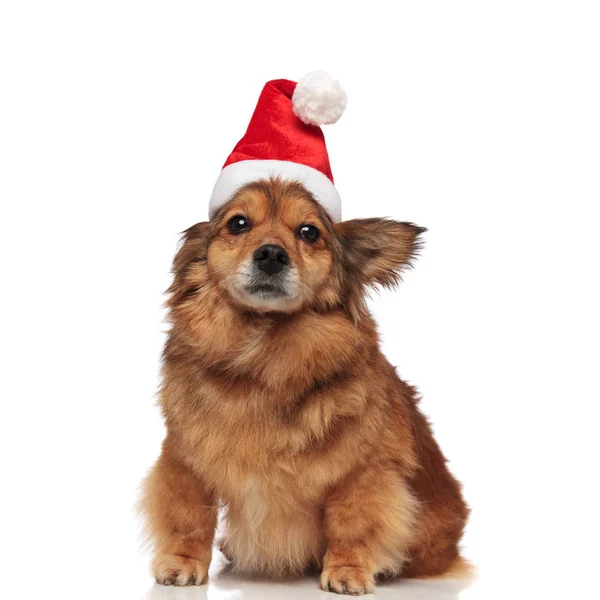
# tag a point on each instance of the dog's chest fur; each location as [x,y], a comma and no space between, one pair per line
[274,531]
[272,472]
[271,426]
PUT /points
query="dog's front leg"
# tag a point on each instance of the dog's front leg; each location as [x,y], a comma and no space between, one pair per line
[181,516]
[369,519]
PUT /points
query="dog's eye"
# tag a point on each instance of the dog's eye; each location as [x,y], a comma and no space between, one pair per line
[309,233]
[238,224]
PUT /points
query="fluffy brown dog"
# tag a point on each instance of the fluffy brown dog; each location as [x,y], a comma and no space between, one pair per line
[281,409]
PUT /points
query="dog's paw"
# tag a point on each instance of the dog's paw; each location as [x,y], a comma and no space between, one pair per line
[172,569]
[354,581]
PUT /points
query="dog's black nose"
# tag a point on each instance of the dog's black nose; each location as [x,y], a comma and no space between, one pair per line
[271,258]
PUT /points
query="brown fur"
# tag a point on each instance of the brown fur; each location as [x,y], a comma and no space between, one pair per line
[293,420]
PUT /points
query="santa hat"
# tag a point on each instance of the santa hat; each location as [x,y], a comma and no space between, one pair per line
[284,140]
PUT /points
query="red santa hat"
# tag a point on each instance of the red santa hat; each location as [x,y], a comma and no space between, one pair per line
[284,139]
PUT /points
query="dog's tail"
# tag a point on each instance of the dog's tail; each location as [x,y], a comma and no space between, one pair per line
[461,568]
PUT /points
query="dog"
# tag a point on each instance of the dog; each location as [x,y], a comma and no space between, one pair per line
[282,412]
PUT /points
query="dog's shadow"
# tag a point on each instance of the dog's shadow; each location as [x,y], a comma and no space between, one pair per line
[225,585]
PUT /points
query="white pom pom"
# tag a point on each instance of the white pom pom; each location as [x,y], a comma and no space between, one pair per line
[319,99]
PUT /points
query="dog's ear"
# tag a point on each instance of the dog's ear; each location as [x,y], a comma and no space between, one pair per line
[189,264]
[377,250]
[194,246]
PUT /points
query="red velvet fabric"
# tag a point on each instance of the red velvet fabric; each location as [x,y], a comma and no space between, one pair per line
[276,133]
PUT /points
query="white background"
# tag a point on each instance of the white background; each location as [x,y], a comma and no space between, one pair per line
[479,120]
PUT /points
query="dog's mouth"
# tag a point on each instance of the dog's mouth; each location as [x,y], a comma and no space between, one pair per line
[267,290]
[264,286]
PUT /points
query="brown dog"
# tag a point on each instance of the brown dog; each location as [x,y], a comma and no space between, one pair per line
[281,409]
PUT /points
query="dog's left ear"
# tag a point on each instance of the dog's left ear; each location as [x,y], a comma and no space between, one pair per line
[189,264]
[377,250]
